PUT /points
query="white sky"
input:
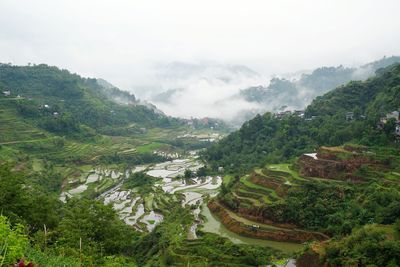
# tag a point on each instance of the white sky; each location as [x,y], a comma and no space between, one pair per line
[120,40]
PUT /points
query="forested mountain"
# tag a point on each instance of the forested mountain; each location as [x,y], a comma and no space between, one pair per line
[330,175]
[297,93]
[60,101]
[274,138]
[60,131]
[66,142]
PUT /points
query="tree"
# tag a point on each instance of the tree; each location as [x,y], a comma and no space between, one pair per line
[188,173]
[98,226]
[201,172]
[13,242]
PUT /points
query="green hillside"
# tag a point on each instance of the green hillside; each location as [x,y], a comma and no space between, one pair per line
[344,197]
[44,91]
[57,130]
[272,138]
[298,92]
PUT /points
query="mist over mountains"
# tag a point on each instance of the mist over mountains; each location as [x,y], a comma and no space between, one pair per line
[236,93]
[200,89]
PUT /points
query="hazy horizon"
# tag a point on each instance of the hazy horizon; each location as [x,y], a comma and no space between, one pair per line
[127,42]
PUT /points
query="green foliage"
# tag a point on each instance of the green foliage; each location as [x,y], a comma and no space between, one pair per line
[369,246]
[133,159]
[153,248]
[26,203]
[213,250]
[270,139]
[13,242]
[61,102]
[97,225]
[141,181]
[188,173]
[262,139]
[50,257]
[202,172]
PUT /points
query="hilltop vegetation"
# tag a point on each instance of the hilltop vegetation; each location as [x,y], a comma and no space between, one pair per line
[371,245]
[63,128]
[268,138]
[348,190]
[45,91]
[57,129]
[298,92]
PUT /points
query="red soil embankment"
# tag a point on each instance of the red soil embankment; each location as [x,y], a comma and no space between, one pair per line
[279,188]
[282,235]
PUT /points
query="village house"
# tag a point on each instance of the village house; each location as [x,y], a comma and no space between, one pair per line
[299,113]
[282,114]
[390,115]
[393,115]
[349,116]
[7,93]
[397,131]
[310,118]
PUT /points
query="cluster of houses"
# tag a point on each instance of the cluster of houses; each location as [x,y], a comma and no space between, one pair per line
[164,154]
[350,116]
[395,115]
[211,137]
[298,113]
[46,106]
[204,122]
[8,93]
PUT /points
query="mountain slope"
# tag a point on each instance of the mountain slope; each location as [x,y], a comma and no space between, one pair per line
[46,91]
[274,139]
[297,93]
[345,197]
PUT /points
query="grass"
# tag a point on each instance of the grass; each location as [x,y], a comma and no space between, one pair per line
[105,184]
[254,195]
[254,201]
[148,202]
[37,165]
[284,168]
[148,148]
[249,184]
[227,179]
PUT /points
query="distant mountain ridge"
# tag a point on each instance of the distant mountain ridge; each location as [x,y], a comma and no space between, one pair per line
[236,93]
[349,113]
[297,93]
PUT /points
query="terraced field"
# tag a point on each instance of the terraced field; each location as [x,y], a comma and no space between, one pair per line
[260,188]
[14,131]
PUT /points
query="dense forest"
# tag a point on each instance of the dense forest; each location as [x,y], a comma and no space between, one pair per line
[296,93]
[269,138]
[66,103]
[37,227]
[353,130]
[54,128]
[84,230]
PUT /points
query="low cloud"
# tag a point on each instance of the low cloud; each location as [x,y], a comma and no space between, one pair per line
[201,89]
